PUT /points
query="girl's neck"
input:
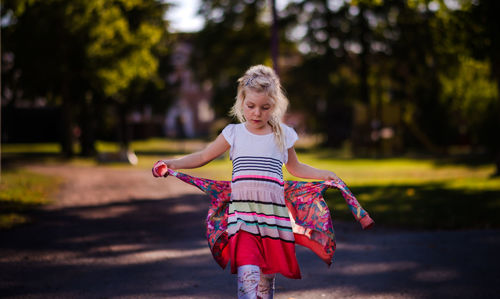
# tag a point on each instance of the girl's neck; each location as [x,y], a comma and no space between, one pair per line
[264,130]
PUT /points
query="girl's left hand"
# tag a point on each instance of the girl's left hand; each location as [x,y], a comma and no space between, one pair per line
[330,176]
[160,169]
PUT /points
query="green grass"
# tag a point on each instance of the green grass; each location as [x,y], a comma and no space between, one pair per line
[431,205]
[400,192]
[39,148]
[419,193]
[22,191]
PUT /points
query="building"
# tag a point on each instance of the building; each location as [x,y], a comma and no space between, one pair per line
[190,115]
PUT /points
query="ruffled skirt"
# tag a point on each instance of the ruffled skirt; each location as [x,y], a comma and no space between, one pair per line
[260,231]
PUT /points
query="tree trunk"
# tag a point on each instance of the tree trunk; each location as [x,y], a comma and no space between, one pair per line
[66,138]
[364,132]
[497,165]
[274,37]
[340,119]
[496,70]
[87,138]
[123,128]
[364,69]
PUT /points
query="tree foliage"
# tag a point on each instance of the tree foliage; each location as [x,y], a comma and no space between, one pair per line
[438,61]
[80,52]
[416,54]
[236,35]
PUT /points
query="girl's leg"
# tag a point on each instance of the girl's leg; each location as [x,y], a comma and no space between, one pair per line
[248,281]
[266,286]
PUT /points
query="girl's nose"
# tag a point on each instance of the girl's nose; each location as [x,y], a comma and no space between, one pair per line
[257,111]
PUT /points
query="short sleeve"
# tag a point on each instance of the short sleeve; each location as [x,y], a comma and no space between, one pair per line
[228,133]
[290,136]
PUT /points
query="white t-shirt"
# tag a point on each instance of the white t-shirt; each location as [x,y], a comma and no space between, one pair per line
[245,143]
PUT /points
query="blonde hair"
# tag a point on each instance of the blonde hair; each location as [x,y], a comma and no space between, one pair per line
[261,78]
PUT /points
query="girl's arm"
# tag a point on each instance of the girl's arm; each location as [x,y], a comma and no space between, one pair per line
[194,160]
[301,170]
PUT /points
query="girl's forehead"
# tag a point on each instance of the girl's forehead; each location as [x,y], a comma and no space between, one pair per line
[258,98]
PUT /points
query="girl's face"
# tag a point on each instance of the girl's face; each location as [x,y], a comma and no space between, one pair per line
[257,110]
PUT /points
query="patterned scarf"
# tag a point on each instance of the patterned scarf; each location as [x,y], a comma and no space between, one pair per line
[310,216]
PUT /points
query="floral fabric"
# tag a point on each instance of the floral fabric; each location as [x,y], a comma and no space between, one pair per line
[311,220]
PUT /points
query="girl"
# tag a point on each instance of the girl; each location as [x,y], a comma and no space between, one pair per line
[261,240]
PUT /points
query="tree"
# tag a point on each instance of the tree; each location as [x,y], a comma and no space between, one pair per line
[374,53]
[335,39]
[480,27]
[79,52]
[235,37]
[274,36]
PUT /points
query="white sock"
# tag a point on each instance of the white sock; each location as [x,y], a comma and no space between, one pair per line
[248,281]
[266,286]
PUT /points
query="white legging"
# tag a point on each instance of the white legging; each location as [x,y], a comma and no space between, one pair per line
[252,283]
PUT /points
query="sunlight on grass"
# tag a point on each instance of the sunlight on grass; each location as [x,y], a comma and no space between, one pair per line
[168,145]
[106,146]
[397,192]
[52,148]
[395,171]
[21,191]
[9,220]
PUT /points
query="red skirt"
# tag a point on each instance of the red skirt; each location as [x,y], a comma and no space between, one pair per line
[272,256]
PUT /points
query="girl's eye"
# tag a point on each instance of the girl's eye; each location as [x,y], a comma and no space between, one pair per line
[250,106]
[265,108]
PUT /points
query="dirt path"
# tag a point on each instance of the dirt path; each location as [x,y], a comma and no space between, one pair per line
[122,234]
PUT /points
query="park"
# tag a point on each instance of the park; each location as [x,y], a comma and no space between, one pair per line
[399,98]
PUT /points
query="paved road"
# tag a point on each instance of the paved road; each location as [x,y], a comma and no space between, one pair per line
[122,234]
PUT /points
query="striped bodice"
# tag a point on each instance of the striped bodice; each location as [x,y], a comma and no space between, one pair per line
[265,169]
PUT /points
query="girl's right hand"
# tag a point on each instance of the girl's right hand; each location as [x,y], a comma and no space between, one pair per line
[160,169]
[330,176]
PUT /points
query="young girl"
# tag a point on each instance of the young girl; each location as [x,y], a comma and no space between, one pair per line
[261,240]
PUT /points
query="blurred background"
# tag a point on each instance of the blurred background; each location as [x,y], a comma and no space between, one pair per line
[400,98]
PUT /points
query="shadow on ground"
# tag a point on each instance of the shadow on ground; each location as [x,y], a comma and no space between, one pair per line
[149,248]
[138,247]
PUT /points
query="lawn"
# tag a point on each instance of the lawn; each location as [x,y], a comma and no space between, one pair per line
[418,193]
[21,192]
[400,192]
[415,193]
